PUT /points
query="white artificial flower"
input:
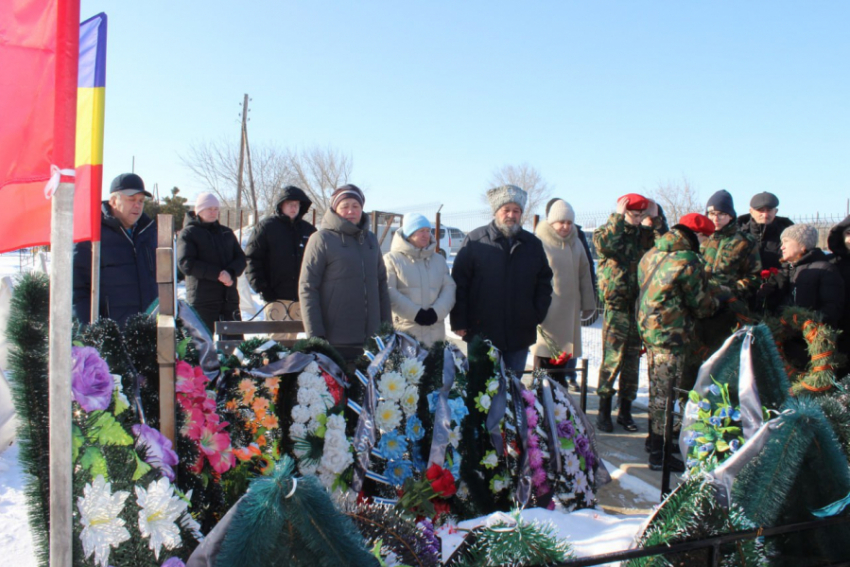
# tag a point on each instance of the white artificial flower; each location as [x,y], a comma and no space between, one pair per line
[491,459]
[571,463]
[410,400]
[579,426]
[336,421]
[454,436]
[297,431]
[391,385]
[159,510]
[588,498]
[300,414]
[337,461]
[560,413]
[492,386]
[387,416]
[102,528]
[120,387]
[463,491]
[499,485]
[581,482]
[313,368]
[327,478]
[485,401]
[308,396]
[412,370]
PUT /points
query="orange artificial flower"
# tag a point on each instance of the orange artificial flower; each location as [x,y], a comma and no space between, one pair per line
[272,385]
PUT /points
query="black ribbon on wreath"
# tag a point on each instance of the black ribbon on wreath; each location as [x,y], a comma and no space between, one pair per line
[442,412]
[295,362]
[551,426]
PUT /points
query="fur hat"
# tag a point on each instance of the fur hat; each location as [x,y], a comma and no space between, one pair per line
[636,202]
[559,210]
[413,222]
[347,192]
[501,196]
[805,234]
[764,200]
[205,201]
[722,201]
[698,223]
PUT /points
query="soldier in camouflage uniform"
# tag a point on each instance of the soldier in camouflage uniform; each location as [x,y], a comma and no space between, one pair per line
[674,293]
[732,261]
[621,243]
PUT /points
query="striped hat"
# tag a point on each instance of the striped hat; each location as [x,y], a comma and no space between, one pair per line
[347,192]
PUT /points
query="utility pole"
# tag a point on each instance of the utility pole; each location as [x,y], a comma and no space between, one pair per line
[250,175]
[242,153]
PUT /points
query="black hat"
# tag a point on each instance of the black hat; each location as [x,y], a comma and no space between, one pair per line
[764,201]
[722,201]
[128,184]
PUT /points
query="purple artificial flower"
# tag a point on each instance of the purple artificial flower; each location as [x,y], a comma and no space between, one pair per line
[566,429]
[531,416]
[583,446]
[159,453]
[590,459]
[533,440]
[538,477]
[173,562]
[535,457]
[91,383]
[528,396]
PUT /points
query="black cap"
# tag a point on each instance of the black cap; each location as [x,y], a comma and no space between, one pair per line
[128,184]
[764,201]
[722,201]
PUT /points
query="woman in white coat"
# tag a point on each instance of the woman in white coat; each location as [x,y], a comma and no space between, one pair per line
[572,288]
[422,292]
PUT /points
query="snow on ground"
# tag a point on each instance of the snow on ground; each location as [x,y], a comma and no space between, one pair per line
[16,546]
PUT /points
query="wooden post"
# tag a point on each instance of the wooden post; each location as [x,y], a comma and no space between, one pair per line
[314,217]
[535,222]
[59,372]
[375,222]
[165,325]
[95,281]
[241,154]
[437,232]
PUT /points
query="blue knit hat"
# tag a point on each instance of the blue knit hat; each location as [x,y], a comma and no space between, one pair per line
[413,222]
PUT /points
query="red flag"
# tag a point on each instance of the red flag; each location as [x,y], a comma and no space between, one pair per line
[39,50]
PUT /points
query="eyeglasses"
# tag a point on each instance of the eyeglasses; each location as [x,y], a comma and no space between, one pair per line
[718,214]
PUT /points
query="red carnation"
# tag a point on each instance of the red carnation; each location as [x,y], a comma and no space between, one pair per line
[562,359]
[441,480]
[765,274]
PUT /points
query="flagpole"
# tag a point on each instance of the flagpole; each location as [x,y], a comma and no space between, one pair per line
[95,281]
[59,372]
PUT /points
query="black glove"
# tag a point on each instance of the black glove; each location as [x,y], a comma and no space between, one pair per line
[425,317]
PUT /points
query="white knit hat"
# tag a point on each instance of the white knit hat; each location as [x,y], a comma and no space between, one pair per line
[206,201]
[560,210]
[501,196]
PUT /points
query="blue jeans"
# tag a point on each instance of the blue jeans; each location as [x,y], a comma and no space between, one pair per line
[515,360]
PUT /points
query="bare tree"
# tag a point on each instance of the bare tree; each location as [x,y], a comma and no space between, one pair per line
[318,171]
[527,178]
[677,198]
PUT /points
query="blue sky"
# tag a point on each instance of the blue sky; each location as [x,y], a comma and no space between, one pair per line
[428,98]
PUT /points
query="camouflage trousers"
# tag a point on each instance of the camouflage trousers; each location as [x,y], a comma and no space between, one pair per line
[668,367]
[620,354]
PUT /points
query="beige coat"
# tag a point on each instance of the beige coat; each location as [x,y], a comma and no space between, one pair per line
[418,279]
[572,291]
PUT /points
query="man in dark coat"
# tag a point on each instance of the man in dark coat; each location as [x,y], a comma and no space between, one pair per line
[765,227]
[504,282]
[212,259]
[839,243]
[275,252]
[128,240]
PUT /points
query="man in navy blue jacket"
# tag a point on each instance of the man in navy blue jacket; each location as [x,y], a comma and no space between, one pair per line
[128,242]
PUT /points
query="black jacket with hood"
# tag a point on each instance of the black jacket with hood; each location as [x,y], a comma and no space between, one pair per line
[816,284]
[841,260]
[204,250]
[768,238]
[127,269]
[503,292]
[276,249]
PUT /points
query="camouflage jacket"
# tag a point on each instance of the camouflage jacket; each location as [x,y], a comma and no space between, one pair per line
[732,260]
[674,292]
[620,246]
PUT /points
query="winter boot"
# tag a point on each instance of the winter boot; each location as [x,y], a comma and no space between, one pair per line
[603,420]
[649,435]
[656,455]
[624,418]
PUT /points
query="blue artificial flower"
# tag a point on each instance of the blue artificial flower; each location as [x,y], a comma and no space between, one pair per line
[414,429]
[715,421]
[725,412]
[707,448]
[432,401]
[418,459]
[398,471]
[705,406]
[455,468]
[691,439]
[459,410]
[734,445]
[392,445]
[714,389]
[692,463]
[736,415]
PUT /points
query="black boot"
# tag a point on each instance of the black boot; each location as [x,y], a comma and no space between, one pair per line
[624,418]
[656,455]
[648,435]
[603,420]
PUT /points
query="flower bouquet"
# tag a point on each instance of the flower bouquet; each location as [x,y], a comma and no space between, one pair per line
[557,357]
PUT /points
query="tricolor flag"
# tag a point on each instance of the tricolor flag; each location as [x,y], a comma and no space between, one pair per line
[91,83]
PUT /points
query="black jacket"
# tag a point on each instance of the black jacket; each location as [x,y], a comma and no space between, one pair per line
[127,269]
[502,293]
[204,249]
[768,238]
[276,249]
[841,260]
[816,284]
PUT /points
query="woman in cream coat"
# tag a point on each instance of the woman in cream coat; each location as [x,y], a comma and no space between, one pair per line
[422,292]
[572,286]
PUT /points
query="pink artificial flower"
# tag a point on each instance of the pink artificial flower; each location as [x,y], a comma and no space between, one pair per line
[538,477]
[531,416]
[215,444]
[528,396]
[535,457]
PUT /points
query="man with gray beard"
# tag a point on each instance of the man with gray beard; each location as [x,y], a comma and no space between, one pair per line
[504,283]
